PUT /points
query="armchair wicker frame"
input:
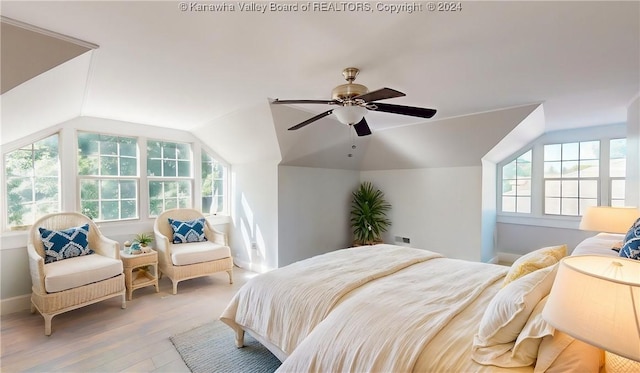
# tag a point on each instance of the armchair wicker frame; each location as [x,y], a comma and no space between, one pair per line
[52,304]
[163,237]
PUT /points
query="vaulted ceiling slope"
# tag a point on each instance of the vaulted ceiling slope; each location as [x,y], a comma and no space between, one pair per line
[161,65]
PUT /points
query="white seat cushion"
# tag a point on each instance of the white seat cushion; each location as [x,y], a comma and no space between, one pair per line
[82,270]
[198,252]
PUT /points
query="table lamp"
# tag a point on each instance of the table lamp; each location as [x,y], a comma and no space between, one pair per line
[608,219]
[596,299]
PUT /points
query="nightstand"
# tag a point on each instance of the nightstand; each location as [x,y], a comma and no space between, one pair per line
[140,270]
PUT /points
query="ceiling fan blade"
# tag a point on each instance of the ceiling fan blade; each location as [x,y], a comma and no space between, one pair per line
[380,94]
[327,102]
[311,120]
[362,128]
[404,110]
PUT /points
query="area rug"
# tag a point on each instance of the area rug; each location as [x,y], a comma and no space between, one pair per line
[211,348]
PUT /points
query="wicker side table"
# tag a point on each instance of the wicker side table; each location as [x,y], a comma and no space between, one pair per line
[135,275]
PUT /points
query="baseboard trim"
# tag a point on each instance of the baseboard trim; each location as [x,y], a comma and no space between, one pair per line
[508,257]
[15,304]
[253,267]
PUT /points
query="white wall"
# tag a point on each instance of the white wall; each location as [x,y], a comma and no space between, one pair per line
[313,211]
[632,197]
[439,209]
[254,213]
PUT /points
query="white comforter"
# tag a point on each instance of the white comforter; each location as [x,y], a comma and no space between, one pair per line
[283,306]
[376,309]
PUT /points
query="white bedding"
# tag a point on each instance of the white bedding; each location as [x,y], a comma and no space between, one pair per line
[599,244]
[395,309]
[271,307]
[405,311]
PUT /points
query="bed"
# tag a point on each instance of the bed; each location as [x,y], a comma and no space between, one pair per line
[387,308]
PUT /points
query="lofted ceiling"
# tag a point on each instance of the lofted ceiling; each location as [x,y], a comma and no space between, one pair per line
[157,64]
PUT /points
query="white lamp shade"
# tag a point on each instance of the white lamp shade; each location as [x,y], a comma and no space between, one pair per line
[596,299]
[608,219]
[349,114]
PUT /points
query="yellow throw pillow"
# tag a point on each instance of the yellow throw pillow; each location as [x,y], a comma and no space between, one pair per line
[534,261]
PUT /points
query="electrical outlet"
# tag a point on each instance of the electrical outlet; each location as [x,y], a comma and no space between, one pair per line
[254,246]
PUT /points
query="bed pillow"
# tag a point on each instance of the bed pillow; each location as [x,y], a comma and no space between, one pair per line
[631,247]
[510,308]
[65,244]
[534,261]
[528,342]
[188,230]
[561,353]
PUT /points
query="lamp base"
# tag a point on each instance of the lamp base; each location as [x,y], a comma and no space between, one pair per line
[617,364]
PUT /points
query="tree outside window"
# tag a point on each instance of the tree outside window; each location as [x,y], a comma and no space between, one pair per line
[214,175]
[169,174]
[108,173]
[33,178]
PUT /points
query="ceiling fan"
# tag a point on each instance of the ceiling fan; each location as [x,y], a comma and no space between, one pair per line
[353,101]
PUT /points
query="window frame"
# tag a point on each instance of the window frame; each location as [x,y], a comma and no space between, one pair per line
[164,179]
[16,146]
[501,178]
[563,199]
[80,178]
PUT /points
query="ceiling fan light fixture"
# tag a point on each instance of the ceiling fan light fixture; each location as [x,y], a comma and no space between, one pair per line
[349,114]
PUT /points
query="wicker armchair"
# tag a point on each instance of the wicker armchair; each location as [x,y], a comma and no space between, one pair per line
[72,283]
[190,260]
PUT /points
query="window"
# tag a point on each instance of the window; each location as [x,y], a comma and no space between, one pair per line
[214,176]
[516,185]
[169,173]
[571,175]
[108,173]
[33,179]
[617,171]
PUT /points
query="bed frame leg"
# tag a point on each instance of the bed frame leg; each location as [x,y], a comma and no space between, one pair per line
[240,338]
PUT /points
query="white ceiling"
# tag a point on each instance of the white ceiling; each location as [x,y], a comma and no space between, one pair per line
[183,69]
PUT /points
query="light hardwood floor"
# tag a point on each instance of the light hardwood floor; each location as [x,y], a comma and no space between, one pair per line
[105,338]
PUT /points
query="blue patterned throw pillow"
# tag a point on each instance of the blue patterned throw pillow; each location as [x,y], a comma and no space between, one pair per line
[188,231]
[631,247]
[65,244]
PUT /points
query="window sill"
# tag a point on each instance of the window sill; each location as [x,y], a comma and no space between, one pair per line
[563,222]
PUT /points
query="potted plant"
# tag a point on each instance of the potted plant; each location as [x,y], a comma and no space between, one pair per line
[369,215]
[143,239]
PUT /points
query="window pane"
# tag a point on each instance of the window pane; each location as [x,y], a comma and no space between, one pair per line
[618,203]
[168,150]
[552,169]
[524,204]
[128,147]
[109,189]
[590,150]
[552,206]
[617,189]
[183,151]
[169,168]
[170,203]
[32,176]
[88,144]
[570,151]
[108,166]
[569,188]
[154,167]
[553,152]
[509,171]
[155,189]
[569,169]
[108,145]
[88,166]
[89,191]
[110,210]
[569,206]
[618,167]
[552,188]
[128,167]
[589,189]
[155,207]
[129,209]
[128,189]
[154,149]
[590,168]
[584,203]
[184,168]
[523,188]
[90,209]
